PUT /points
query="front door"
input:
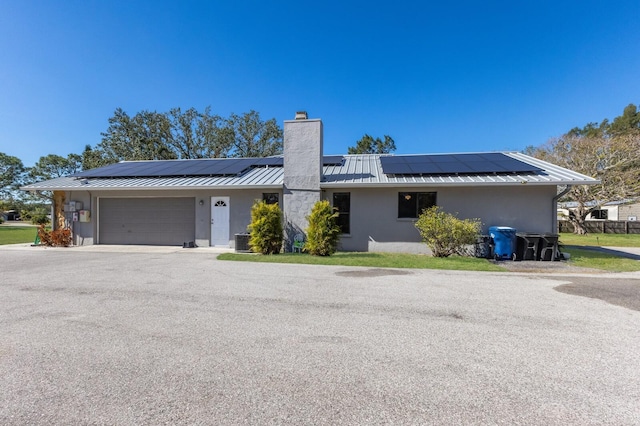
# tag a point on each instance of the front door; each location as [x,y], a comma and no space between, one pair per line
[220,221]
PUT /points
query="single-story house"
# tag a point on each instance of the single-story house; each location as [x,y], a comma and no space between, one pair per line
[10,215]
[379,197]
[614,210]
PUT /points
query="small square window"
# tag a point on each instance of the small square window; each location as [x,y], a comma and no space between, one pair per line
[270,197]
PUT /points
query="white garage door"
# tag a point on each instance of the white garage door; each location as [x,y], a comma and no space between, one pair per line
[150,221]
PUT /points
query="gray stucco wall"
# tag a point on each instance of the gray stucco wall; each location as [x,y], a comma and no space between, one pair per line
[374,211]
[239,210]
[82,231]
[302,173]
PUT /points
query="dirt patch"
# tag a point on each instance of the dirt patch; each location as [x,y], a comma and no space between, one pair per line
[368,273]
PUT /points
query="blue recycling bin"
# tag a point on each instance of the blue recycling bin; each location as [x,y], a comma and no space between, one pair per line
[504,242]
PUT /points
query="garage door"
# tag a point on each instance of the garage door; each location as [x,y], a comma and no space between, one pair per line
[151,221]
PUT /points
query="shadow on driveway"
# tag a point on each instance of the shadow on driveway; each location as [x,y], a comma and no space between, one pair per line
[623,292]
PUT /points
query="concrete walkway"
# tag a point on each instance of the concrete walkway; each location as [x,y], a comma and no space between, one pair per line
[107,248]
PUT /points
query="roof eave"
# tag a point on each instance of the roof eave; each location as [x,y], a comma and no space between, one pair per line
[449,184]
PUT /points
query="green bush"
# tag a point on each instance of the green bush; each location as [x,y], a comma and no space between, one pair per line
[323,232]
[445,234]
[266,228]
[39,217]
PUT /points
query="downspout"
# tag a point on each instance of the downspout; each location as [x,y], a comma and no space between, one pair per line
[554,208]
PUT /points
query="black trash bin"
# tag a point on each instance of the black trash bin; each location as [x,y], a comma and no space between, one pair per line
[242,243]
[548,247]
[482,247]
[527,246]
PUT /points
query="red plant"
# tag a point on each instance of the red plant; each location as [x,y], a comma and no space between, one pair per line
[56,238]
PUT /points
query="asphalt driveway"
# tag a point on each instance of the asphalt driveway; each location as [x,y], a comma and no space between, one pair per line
[177,337]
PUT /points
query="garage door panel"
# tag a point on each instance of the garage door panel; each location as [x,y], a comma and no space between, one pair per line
[150,221]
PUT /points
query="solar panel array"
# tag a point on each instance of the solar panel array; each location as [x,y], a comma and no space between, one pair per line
[453,164]
[199,167]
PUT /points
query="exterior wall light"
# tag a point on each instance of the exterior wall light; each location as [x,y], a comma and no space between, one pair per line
[201,202]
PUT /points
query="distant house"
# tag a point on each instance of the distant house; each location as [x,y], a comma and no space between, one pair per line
[10,215]
[379,197]
[614,210]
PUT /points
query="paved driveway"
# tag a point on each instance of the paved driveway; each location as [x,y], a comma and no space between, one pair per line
[177,337]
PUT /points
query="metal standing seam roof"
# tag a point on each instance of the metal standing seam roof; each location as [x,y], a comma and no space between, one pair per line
[366,170]
[363,170]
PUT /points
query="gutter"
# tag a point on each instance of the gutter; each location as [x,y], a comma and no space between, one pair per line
[554,207]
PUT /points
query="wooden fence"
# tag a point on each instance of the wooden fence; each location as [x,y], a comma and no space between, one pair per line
[604,226]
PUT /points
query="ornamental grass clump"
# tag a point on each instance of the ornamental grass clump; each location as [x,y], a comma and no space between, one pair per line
[56,238]
[266,228]
[445,234]
[323,231]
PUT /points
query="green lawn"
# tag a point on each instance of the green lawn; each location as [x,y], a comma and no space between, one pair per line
[593,259]
[610,240]
[377,260]
[17,234]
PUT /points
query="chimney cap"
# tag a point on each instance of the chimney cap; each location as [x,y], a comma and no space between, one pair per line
[301,115]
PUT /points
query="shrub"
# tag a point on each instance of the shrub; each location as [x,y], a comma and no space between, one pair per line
[323,232]
[266,228]
[56,238]
[39,217]
[445,234]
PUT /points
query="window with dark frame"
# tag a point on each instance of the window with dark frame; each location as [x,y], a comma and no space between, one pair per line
[270,197]
[411,204]
[600,214]
[342,202]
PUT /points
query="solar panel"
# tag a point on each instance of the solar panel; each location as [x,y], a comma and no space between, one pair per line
[157,168]
[447,164]
[332,160]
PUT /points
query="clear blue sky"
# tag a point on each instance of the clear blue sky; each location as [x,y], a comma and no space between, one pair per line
[436,76]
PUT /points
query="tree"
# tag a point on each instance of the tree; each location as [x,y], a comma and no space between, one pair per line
[11,176]
[609,151]
[185,134]
[627,123]
[54,166]
[615,161]
[445,234]
[145,136]
[368,145]
[253,137]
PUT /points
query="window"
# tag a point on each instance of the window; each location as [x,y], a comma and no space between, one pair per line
[270,197]
[411,204]
[342,202]
[600,214]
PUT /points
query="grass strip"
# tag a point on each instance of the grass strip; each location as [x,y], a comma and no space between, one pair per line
[601,240]
[377,260]
[586,258]
[17,234]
